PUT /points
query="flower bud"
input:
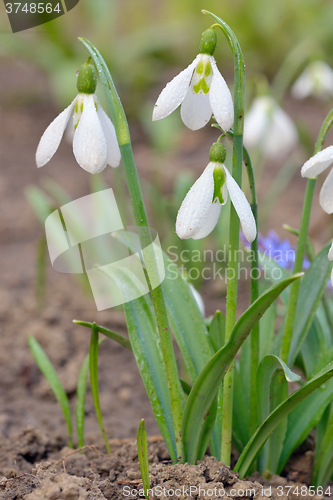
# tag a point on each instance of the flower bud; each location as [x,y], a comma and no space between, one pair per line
[217,153]
[87,79]
[208,42]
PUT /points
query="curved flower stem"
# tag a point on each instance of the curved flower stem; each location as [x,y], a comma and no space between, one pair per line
[301,245]
[239,91]
[120,123]
[254,362]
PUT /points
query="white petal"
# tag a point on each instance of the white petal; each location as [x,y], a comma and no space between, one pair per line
[220,99]
[89,144]
[210,222]
[52,136]
[197,207]
[318,163]
[242,207]
[114,155]
[196,110]
[330,254]
[174,93]
[326,194]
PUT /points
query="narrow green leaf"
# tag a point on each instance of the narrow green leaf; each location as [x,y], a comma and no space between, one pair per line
[303,419]
[272,389]
[207,429]
[108,333]
[311,290]
[145,344]
[313,348]
[186,320]
[56,191]
[93,369]
[46,367]
[41,204]
[323,465]
[257,441]
[143,457]
[81,391]
[42,254]
[216,331]
[210,378]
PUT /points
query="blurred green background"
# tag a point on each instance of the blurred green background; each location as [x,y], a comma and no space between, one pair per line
[145,41]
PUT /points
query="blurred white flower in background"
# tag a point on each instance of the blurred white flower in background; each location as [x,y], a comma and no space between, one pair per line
[316,80]
[269,128]
[315,166]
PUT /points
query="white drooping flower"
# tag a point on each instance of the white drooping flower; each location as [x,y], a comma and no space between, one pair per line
[94,142]
[315,166]
[268,127]
[201,208]
[316,80]
[200,89]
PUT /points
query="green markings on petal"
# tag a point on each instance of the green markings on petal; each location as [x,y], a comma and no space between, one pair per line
[219,181]
[202,76]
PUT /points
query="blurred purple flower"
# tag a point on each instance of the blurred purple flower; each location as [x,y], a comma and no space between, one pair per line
[281,250]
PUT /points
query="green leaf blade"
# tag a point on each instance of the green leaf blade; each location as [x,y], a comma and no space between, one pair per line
[46,367]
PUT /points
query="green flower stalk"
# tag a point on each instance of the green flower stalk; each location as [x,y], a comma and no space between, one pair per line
[141,220]
[239,92]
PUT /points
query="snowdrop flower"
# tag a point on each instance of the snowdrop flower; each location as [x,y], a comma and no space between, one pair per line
[268,127]
[201,208]
[200,89]
[315,166]
[94,142]
[316,80]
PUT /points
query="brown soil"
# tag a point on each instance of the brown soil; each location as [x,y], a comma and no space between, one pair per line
[89,474]
[26,402]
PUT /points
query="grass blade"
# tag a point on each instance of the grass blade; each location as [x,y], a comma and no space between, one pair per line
[93,368]
[143,457]
[81,391]
[108,333]
[46,367]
